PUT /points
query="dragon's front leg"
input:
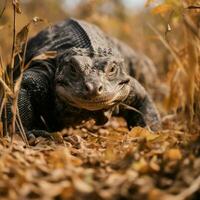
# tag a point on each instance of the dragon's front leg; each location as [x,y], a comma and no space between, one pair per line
[138,109]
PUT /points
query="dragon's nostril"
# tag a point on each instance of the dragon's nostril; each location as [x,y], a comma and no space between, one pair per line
[100,89]
[93,88]
[89,87]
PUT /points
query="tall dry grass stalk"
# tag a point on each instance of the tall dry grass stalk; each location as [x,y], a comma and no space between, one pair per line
[185,67]
[9,88]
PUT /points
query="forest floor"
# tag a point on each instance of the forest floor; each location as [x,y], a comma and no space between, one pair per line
[108,162]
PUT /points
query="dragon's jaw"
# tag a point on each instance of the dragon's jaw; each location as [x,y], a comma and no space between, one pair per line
[100,102]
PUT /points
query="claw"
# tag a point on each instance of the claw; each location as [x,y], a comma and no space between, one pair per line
[33,134]
[31,139]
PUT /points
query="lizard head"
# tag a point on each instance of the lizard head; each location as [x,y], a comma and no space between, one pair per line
[91,82]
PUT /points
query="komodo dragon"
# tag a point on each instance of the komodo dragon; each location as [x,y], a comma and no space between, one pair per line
[92,76]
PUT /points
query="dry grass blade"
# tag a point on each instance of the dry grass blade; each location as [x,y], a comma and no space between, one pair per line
[21,128]
[191,26]
[194,187]
[43,56]
[193,7]
[131,108]
[2,66]
[4,7]
[21,45]
[1,88]
[176,58]
[192,71]
[3,102]
[15,102]
[46,55]
[6,87]
[15,10]
[13,45]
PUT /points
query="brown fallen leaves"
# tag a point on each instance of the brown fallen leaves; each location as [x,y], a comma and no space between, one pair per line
[102,163]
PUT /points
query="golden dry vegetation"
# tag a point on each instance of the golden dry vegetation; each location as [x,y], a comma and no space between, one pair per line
[110,162]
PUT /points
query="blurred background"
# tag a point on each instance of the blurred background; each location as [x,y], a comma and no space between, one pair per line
[127,20]
[167,31]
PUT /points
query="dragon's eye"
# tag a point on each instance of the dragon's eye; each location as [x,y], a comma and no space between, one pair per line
[72,71]
[112,70]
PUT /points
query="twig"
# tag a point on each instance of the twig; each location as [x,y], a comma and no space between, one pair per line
[9,91]
[2,106]
[12,66]
[131,108]
[13,44]
[23,134]
[191,26]
[4,7]
[178,61]
[5,124]
[193,7]
[2,65]
[194,187]
[16,92]
[174,131]
[2,91]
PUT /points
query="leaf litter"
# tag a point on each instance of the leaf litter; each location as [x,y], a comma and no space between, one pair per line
[110,162]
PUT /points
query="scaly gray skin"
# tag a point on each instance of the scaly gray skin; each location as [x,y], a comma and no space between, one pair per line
[92,76]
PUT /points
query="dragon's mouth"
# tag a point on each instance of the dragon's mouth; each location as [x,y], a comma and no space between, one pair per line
[96,103]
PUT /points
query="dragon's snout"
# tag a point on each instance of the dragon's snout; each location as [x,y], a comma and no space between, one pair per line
[93,89]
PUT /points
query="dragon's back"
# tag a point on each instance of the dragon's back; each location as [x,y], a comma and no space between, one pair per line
[65,35]
[59,37]
[81,34]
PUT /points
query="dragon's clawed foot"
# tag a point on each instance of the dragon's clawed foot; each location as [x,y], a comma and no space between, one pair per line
[33,134]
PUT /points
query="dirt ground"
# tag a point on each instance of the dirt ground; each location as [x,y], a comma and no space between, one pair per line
[108,162]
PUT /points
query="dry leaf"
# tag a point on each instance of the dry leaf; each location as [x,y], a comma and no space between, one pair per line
[43,56]
[82,186]
[46,55]
[173,154]
[161,195]
[161,9]
[22,35]
[153,165]
[142,132]
[141,166]
[21,38]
